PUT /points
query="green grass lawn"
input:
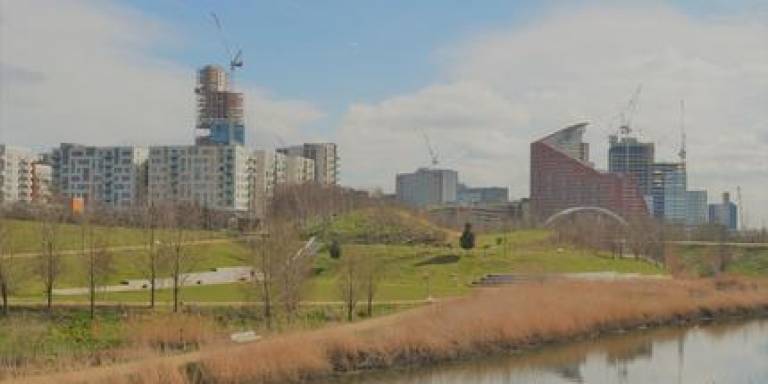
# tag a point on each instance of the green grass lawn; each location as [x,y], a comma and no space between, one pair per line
[24,235]
[408,272]
[698,260]
[131,265]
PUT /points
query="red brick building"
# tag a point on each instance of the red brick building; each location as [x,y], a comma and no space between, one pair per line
[562,177]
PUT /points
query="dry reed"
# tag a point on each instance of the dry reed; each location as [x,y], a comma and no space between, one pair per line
[171,332]
[489,321]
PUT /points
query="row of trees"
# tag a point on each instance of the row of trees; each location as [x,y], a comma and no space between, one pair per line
[166,229]
[274,247]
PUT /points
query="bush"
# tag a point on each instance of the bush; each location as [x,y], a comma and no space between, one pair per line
[335,249]
[467,240]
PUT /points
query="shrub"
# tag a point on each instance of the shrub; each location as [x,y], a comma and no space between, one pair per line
[467,240]
[335,249]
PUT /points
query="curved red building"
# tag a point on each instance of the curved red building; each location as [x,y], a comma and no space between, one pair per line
[562,177]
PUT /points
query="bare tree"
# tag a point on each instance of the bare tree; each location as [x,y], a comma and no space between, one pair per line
[96,256]
[280,266]
[351,282]
[9,271]
[176,221]
[372,274]
[150,264]
[49,265]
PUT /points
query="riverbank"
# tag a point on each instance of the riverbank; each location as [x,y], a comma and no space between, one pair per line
[490,321]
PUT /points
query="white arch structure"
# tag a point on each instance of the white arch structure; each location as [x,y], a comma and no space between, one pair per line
[571,210]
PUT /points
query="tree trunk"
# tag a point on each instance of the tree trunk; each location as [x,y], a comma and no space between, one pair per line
[92,288]
[49,297]
[152,278]
[370,299]
[4,292]
[176,289]
[152,266]
[350,302]
[267,304]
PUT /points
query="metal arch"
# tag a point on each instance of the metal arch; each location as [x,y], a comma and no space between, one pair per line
[568,211]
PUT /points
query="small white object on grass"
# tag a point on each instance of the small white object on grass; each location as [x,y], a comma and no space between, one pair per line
[244,337]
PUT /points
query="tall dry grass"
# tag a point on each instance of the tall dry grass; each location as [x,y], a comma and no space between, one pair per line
[171,332]
[489,321]
[486,322]
[144,335]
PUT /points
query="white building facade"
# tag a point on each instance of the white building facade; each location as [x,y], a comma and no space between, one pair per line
[427,187]
[15,174]
[324,156]
[213,176]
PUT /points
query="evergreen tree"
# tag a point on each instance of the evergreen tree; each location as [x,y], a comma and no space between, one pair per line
[467,240]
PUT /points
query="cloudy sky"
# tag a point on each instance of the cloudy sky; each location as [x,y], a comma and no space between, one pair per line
[481,78]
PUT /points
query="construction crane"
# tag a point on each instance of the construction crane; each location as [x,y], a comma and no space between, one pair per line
[433,155]
[236,59]
[682,154]
[625,128]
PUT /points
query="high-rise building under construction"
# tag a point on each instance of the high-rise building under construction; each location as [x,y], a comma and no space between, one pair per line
[219,108]
[630,156]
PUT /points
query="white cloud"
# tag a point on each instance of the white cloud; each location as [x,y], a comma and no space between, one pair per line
[274,123]
[90,72]
[503,89]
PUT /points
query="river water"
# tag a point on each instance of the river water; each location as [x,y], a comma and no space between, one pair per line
[733,353]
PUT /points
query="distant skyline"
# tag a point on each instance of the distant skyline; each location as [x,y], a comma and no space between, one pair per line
[483,79]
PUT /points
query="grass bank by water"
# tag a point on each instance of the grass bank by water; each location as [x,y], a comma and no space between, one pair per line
[486,322]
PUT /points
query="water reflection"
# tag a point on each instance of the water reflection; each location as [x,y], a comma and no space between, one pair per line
[723,353]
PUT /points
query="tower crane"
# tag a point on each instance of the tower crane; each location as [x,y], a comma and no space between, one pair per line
[433,155]
[236,59]
[625,128]
[682,154]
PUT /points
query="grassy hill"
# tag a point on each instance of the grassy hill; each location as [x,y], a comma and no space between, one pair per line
[24,236]
[414,272]
[380,226]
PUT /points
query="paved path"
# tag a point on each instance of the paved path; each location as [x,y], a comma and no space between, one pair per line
[221,275]
[715,243]
[517,278]
[124,248]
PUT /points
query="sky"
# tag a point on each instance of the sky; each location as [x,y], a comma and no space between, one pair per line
[482,79]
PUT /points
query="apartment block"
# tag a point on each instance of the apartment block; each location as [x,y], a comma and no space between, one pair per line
[299,169]
[15,174]
[113,176]
[325,157]
[213,176]
[427,187]
[481,195]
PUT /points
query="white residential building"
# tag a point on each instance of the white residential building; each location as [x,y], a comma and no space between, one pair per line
[263,173]
[214,176]
[113,176]
[270,168]
[15,174]
[299,170]
[427,187]
[325,157]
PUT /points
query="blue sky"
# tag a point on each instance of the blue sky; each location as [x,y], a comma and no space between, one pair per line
[338,52]
[333,52]
[482,78]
